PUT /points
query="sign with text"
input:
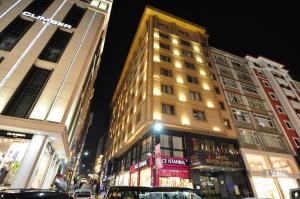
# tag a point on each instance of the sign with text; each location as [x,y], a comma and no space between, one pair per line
[175,161]
[275,173]
[228,161]
[15,134]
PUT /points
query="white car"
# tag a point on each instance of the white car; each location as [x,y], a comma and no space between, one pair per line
[83,194]
[83,180]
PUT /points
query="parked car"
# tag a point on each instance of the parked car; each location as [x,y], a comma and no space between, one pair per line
[150,193]
[32,193]
[83,194]
[295,193]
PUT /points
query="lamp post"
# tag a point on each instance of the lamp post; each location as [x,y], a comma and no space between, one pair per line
[157,127]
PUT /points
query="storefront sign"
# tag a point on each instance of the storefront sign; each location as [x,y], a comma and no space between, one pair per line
[46,20]
[216,160]
[15,134]
[275,173]
[141,164]
[175,161]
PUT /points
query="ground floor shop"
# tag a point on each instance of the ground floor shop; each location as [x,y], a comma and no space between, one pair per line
[272,175]
[26,160]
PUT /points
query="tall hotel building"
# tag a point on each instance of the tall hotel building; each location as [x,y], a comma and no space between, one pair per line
[49,56]
[270,165]
[169,100]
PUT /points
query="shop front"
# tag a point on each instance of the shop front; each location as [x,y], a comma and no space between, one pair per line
[218,170]
[141,173]
[174,172]
[272,175]
[13,147]
[123,179]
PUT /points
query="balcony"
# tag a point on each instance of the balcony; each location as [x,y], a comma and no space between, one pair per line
[295,104]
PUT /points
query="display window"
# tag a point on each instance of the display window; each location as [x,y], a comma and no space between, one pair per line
[126,179]
[265,187]
[285,164]
[256,162]
[12,151]
[145,177]
[134,179]
[286,184]
[175,182]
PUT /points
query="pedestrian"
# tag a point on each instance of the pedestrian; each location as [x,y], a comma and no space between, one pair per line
[97,190]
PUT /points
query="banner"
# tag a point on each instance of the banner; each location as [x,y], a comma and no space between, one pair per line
[158,162]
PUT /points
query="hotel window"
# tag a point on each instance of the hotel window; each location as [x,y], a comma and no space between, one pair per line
[249,88]
[165,72]
[56,46]
[187,53]
[234,98]
[222,105]
[272,141]
[229,82]
[244,76]
[266,84]
[273,96]
[254,103]
[217,90]
[182,33]
[28,92]
[192,79]
[213,76]
[138,117]
[241,116]
[239,66]
[184,42]
[264,121]
[167,89]
[163,35]
[249,137]
[227,124]
[171,146]
[209,65]
[288,124]
[195,96]
[168,109]
[146,148]
[224,71]
[162,26]
[256,64]
[38,6]
[190,65]
[165,58]
[74,16]
[220,60]
[10,36]
[280,109]
[164,46]
[198,115]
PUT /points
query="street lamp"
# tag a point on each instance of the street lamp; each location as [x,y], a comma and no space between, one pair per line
[86,153]
[157,127]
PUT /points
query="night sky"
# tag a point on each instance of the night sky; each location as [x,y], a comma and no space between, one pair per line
[253,28]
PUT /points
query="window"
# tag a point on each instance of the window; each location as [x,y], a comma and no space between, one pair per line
[273,96]
[244,77]
[266,84]
[146,147]
[165,72]
[164,46]
[261,73]
[249,137]
[217,89]
[165,58]
[56,46]
[184,42]
[280,109]
[227,124]
[225,71]
[10,36]
[138,117]
[263,121]
[192,79]
[74,16]
[163,26]
[38,6]
[220,60]
[1,59]
[171,146]
[229,82]
[28,92]
[209,65]
[168,109]
[195,96]
[163,35]
[189,65]
[182,33]
[249,89]
[167,89]
[187,53]
[198,115]
[213,76]
[222,105]
[256,64]
[288,124]
[297,141]
[239,66]
[241,116]
[272,141]
[235,98]
[254,103]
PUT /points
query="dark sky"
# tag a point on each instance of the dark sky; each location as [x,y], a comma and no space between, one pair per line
[269,29]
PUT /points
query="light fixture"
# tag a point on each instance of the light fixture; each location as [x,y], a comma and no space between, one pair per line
[178,64]
[182,98]
[196,48]
[156,58]
[205,87]
[210,104]
[176,52]
[179,80]
[175,41]
[199,59]
[157,126]
[202,72]
[156,35]
[156,45]
[216,129]
[185,121]
[156,116]
[156,92]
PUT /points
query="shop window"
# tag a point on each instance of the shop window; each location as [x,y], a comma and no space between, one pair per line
[74,16]
[37,7]
[171,146]
[168,109]
[10,36]
[192,79]
[56,46]
[198,115]
[165,72]
[195,96]
[28,92]
[167,89]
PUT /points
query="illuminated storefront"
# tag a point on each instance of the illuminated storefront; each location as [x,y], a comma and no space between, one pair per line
[123,179]
[272,175]
[141,173]
[12,150]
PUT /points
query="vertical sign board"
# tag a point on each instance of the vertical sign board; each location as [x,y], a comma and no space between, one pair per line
[158,162]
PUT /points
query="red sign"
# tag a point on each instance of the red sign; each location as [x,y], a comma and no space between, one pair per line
[158,162]
[182,172]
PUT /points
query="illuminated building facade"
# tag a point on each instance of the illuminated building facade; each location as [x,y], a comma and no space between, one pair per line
[271,167]
[50,53]
[169,101]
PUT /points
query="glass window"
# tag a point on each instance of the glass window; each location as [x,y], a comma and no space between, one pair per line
[272,141]
[190,65]
[229,82]
[187,53]
[234,98]
[184,42]
[56,46]
[254,103]
[250,137]
[37,7]
[163,35]
[171,146]
[249,88]
[146,147]
[168,109]
[165,58]
[241,116]
[165,72]
[264,121]
[192,79]
[244,76]
[10,36]
[74,16]
[164,46]
[23,100]
[167,89]
[198,115]
[195,96]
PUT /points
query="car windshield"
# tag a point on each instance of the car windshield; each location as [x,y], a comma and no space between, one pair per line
[82,194]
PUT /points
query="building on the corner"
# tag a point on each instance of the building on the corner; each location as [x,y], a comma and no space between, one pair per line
[169,102]
[271,166]
[50,52]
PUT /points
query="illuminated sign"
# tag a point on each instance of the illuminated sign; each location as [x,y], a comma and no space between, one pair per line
[175,161]
[15,134]
[228,161]
[141,164]
[46,20]
[275,173]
